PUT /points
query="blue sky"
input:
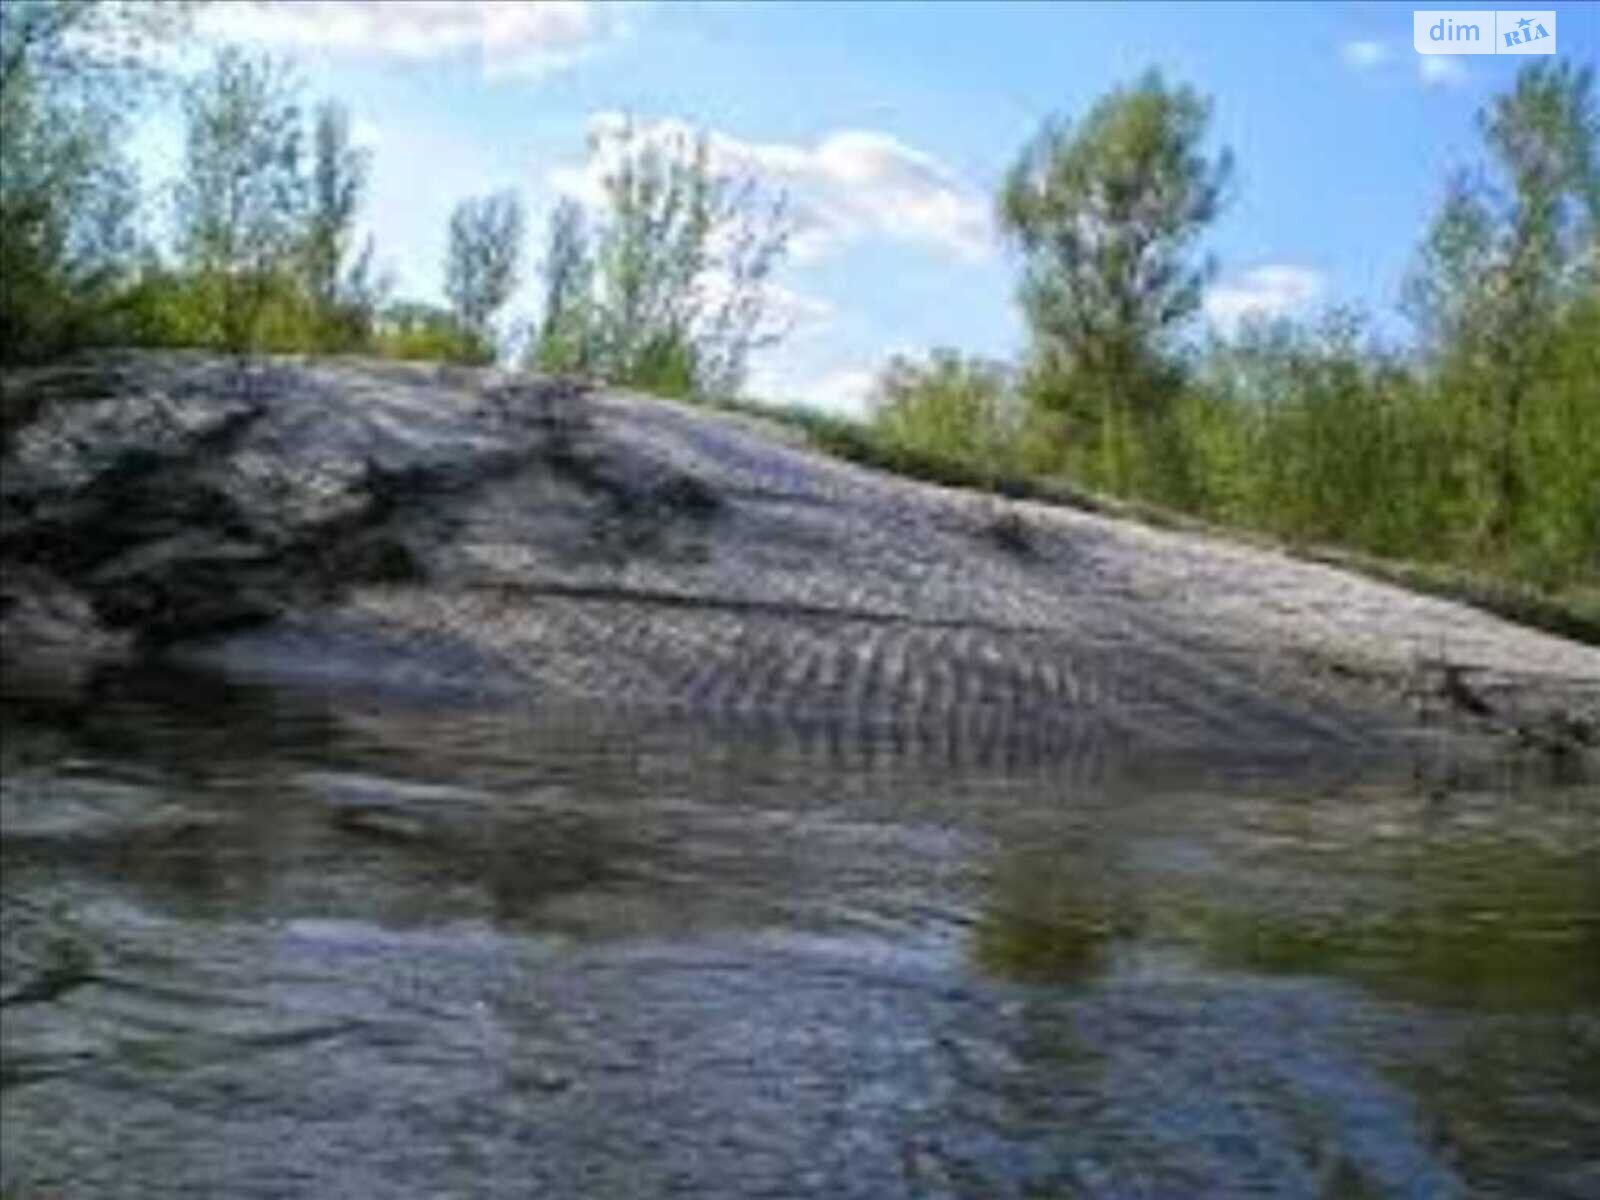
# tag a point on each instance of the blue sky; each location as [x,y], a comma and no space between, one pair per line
[891,124]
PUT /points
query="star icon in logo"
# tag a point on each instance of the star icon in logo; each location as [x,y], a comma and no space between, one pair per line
[1524,23]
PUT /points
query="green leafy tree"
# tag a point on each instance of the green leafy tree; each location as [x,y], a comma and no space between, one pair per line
[65,221]
[1106,214]
[240,205]
[71,74]
[365,292]
[484,257]
[651,252]
[342,293]
[1514,249]
[566,334]
[670,291]
[90,50]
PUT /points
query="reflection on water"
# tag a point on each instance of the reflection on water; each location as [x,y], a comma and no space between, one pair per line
[1473,916]
[275,944]
[1484,921]
[1052,914]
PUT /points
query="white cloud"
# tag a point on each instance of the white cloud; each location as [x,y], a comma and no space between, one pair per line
[365,134]
[840,389]
[843,390]
[1275,290]
[849,185]
[1441,70]
[509,38]
[796,310]
[782,307]
[1363,56]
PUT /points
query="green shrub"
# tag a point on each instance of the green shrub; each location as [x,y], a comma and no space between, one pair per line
[423,332]
[950,408]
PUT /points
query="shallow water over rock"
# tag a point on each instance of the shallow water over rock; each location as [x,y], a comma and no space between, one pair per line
[260,942]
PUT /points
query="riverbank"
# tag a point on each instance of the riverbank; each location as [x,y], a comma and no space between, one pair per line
[1571,612]
[507,538]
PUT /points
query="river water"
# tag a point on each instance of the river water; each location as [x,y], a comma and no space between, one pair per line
[270,943]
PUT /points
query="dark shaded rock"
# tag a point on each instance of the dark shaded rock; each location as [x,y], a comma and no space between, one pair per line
[43,613]
[1007,530]
[176,495]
